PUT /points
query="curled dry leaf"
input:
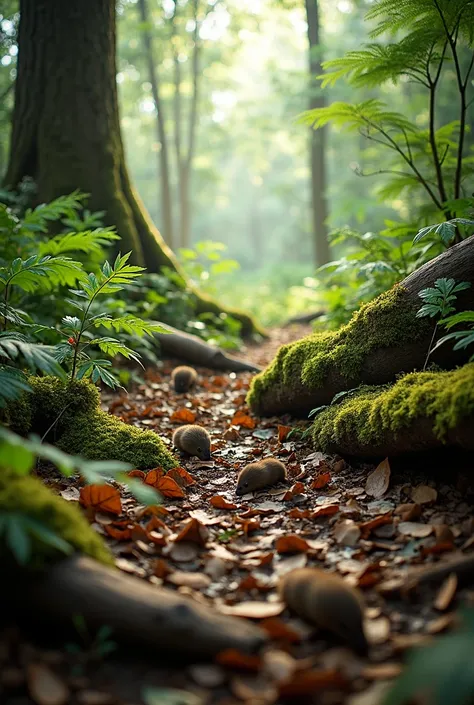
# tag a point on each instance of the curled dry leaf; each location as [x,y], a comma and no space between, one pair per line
[242,419]
[297,513]
[408,512]
[154,476]
[161,568]
[443,533]
[45,687]
[378,480]
[194,532]
[291,544]
[414,529]
[120,531]
[368,526]
[221,503]
[346,532]
[253,610]
[103,498]
[424,494]
[326,510]
[321,481]
[283,432]
[446,593]
[183,416]
[181,476]
[231,434]
[137,473]
[169,488]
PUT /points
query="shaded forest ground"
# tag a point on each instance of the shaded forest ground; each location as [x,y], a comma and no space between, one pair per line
[230,552]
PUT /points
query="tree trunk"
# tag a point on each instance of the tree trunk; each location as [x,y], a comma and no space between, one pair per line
[163,161]
[318,140]
[66,128]
[280,389]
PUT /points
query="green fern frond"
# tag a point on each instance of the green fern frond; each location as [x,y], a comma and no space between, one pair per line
[111,278]
[37,357]
[113,347]
[36,271]
[12,384]
[89,242]
[129,324]
[368,114]
[36,220]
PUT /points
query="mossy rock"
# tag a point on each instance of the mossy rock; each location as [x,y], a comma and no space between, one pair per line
[101,436]
[421,411]
[81,427]
[27,496]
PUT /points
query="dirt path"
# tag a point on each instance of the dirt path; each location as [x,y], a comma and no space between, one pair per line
[231,552]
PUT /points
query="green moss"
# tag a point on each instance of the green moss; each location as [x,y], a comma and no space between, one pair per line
[388,321]
[101,436]
[81,427]
[445,398]
[29,497]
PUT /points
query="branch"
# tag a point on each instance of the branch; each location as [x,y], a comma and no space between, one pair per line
[433,83]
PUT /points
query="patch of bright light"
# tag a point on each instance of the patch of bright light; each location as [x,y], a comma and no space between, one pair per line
[13,50]
[6,60]
[147,105]
[345,6]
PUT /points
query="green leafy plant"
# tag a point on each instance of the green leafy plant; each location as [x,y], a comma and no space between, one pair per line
[463,338]
[438,303]
[446,231]
[205,264]
[91,647]
[77,329]
[442,673]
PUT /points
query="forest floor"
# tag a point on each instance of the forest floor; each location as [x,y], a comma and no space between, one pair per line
[230,552]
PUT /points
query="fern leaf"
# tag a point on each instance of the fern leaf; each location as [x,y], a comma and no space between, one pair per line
[12,384]
[129,324]
[88,242]
[113,347]
[38,357]
[36,220]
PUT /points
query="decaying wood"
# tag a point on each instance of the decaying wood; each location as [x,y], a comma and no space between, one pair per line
[304,318]
[462,567]
[139,613]
[190,348]
[383,364]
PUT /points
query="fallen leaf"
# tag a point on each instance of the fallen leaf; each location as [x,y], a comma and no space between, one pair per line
[220,503]
[137,473]
[291,544]
[443,533]
[232,658]
[408,512]
[169,488]
[183,552]
[325,511]
[181,476]
[446,593]
[161,568]
[183,416]
[279,630]
[283,432]
[415,529]
[310,682]
[101,497]
[205,518]
[45,687]
[119,532]
[253,610]
[423,494]
[242,419]
[194,532]
[231,434]
[377,631]
[366,527]
[196,581]
[71,494]
[278,665]
[378,480]
[321,481]
[154,476]
[346,532]
[296,513]
[297,488]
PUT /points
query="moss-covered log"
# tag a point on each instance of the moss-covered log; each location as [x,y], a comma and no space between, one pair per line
[70,414]
[422,411]
[66,126]
[383,339]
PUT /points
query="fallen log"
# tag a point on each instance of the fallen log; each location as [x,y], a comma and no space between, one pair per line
[303,318]
[383,339]
[190,348]
[155,619]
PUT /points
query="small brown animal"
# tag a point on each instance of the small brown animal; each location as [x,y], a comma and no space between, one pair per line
[327,602]
[257,476]
[193,440]
[183,378]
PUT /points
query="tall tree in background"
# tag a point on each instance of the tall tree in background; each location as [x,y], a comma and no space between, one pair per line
[66,128]
[318,139]
[163,158]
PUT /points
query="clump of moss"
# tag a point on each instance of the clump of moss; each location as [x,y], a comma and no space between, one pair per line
[388,321]
[27,496]
[101,436]
[80,427]
[445,399]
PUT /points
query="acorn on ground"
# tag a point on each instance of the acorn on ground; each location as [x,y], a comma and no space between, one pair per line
[327,602]
[259,475]
[183,378]
[193,440]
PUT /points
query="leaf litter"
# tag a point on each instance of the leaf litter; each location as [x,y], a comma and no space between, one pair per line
[371,527]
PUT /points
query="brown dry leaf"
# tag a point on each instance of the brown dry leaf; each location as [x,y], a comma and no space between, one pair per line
[415,529]
[121,531]
[101,497]
[161,568]
[137,473]
[154,476]
[183,552]
[205,518]
[310,682]
[232,658]
[231,434]
[445,621]
[423,494]
[367,527]
[326,510]
[299,513]
[443,533]
[321,481]
[183,416]
[377,630]
[194,532]
[297,488]
[291,544]
[181,476]
[196,581]
[242,419]
[278,630]
[446,593]
[346,532]
[221,503]
[378,480]
[169,488]
[45,687]
[283,431]
[408,512]
[253,610]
